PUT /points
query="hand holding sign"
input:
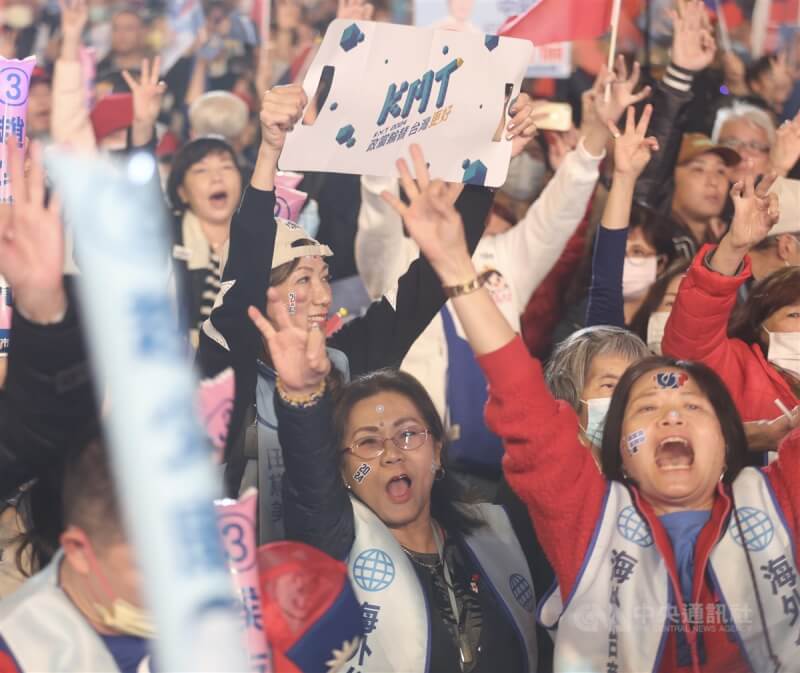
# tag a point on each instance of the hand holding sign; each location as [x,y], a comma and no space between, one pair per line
[522,127]
[281,109]
[432,220]
[32,241]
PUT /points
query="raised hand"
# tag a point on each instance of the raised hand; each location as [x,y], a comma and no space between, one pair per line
[74,15]
[355,10]
[431,219]
[147,95]
[287,14]
[559,145]
[755,213]
[693,44]
[597,112]
[633,149]
[32,240]
[623,86]
[298,354]
[281,109]
[522,127]
[785,150]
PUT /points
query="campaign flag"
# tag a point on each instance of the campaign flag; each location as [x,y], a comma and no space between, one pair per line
[548,21]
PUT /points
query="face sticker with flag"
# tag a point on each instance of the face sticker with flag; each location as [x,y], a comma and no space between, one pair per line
[673,380]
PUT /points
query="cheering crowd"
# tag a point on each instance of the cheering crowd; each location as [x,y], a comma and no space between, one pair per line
[547,427]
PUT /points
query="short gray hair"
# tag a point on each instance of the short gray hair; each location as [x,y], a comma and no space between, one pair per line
[218,113]
[750,113]
[569,365]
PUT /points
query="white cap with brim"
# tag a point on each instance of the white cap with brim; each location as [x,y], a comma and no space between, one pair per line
[788,192]
[288,246]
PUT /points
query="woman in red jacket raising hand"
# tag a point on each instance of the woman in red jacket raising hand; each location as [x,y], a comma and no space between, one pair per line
[676,556]
[757,355]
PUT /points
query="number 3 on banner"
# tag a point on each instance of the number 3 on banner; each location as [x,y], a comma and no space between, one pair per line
[13,86]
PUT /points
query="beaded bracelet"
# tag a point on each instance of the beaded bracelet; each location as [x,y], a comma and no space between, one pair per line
[303,401]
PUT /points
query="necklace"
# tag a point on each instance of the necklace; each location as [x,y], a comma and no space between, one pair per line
[464,646]
[415,559]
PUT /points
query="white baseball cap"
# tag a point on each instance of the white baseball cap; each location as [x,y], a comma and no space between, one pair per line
[788,192]
[292,242]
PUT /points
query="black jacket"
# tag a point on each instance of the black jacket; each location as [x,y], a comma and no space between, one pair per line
[381,338]
[48,399]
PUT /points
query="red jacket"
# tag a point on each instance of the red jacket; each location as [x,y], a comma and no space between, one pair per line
[697,330]
[558,480]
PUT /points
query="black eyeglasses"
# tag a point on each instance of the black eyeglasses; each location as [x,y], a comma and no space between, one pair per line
[372,446]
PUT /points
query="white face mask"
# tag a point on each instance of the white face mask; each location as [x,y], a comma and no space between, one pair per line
[597,408]
[638,274]
[525,178]
[784,351]
[655,330]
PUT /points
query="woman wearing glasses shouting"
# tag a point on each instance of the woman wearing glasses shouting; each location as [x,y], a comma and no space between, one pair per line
[443,585]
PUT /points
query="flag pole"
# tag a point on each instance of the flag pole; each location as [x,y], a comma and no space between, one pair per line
[722,24]
[759,25]
[612,47]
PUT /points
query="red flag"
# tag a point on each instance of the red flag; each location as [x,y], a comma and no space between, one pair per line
[549,21]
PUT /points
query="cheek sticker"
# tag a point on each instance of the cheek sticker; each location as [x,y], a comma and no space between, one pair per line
[361,473]
[634,441]
[672,380]
[292,302]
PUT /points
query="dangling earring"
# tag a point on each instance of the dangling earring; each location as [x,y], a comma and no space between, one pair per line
[439,473]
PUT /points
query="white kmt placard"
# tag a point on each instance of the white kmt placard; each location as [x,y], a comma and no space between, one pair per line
[376,88]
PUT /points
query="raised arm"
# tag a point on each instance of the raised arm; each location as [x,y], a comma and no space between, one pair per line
[693,50]
[48,393]
[697,326]
[316,506]
[70,123]
[632,152]
[228,338]
[545,463]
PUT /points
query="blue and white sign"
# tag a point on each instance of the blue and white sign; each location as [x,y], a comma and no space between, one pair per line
[161,459]
[376,88]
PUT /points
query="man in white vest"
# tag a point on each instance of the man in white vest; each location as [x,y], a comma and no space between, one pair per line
[82,612]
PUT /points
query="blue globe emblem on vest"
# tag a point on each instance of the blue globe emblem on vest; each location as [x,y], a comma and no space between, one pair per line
[756,528]
[373,570]
[633,527]
[522,591]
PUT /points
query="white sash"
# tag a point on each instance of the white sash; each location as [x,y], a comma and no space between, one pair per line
[395,610]
[624,566]
[45,632]
[772,554]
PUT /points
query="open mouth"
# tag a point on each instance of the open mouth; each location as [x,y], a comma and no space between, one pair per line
[399,489]
[674,453]
[219,198]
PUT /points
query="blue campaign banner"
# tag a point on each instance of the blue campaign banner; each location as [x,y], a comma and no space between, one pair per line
[161,458]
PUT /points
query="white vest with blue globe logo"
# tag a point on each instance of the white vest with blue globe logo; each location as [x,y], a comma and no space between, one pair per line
[46,632]
[394,607]
[618,613]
